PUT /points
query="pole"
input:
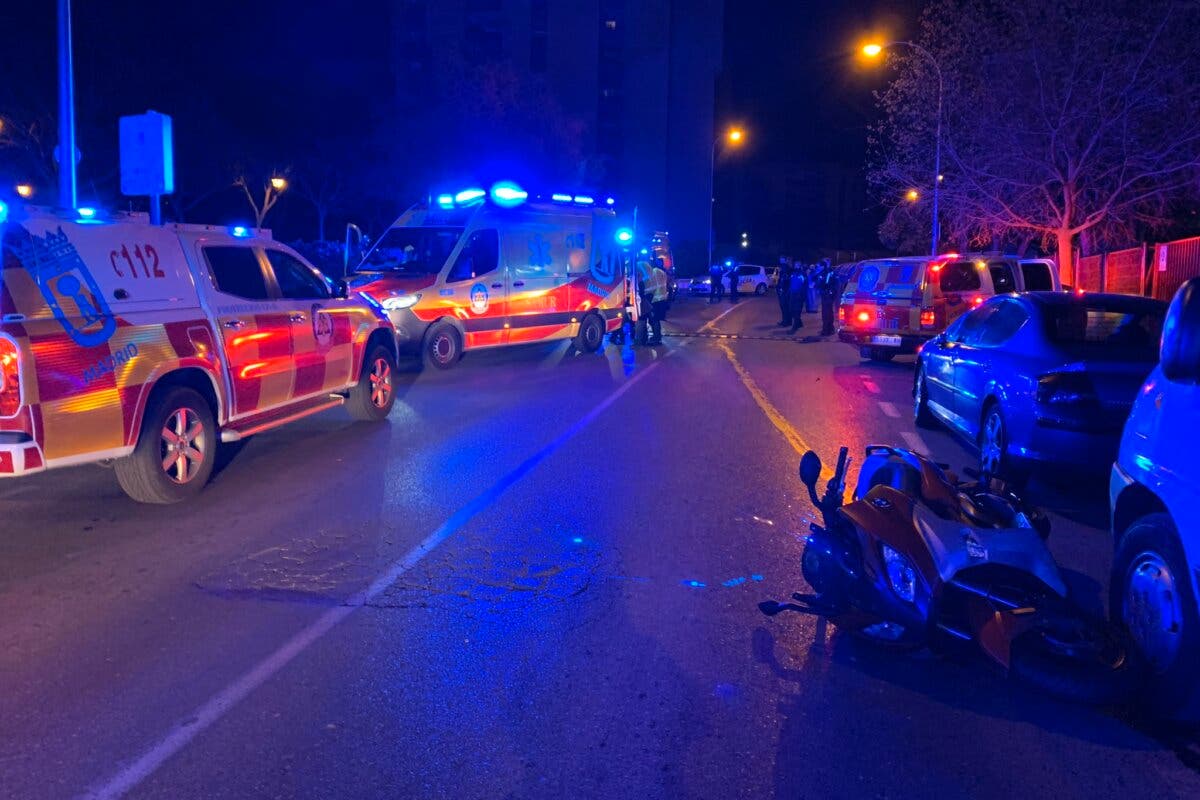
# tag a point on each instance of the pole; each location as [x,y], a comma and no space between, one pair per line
[66,110]
[712,190]
[937,163]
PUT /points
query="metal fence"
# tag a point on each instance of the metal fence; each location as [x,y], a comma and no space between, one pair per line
[1120,271]
[1173,263]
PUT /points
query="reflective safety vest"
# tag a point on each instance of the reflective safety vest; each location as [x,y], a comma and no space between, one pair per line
[658,285]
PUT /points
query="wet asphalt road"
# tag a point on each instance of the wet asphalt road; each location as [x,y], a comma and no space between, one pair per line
[537,580]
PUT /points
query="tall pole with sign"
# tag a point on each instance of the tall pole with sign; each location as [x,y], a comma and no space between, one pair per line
[66,110]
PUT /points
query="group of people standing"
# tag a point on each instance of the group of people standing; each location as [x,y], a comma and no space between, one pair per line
[802,288]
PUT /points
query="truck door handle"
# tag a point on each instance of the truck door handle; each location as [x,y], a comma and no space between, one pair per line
[518,283]
[233,324]
[296,318]
[499,285]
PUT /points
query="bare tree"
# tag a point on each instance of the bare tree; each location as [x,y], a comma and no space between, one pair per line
[1063,116]
[272,188]
[323,186]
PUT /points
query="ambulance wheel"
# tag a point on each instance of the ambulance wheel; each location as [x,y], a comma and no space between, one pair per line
[371,399]
[591,334]
[443,346]
[761,289]
[176,449]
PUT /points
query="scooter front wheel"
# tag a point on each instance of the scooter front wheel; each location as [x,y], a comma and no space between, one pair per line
[1074,658]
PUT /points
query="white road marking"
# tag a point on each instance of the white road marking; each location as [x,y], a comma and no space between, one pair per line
[889,409]
[915,442]
[192,725]
[872,387]
[706,326]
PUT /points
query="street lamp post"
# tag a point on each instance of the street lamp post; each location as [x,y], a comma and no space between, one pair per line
[873,50]
[734,136]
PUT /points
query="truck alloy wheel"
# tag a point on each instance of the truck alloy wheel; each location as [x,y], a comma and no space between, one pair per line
[185,443]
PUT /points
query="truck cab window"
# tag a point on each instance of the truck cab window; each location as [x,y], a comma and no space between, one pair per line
[236,271]
[296,281]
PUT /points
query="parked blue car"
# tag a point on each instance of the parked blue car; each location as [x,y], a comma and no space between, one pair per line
[1040,377]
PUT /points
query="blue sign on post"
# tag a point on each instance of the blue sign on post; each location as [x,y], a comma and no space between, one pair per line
[147,158]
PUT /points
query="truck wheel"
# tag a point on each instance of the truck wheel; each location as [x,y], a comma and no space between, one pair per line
[176,449]
[371,399]
[1152,597]
[591,334]
[761,289]
[443,346]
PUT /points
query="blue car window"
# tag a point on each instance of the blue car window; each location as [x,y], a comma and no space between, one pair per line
[1001,325]
[968,325]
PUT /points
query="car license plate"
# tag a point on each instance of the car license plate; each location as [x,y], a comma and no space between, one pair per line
[888,341]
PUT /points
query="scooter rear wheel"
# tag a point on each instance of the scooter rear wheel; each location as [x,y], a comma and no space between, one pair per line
[1074,658]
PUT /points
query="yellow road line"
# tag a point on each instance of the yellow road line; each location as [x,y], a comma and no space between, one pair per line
[768,408]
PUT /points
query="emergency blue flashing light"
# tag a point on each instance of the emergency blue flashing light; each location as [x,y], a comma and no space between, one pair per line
[624,236]
[584,200]
[445,201]
[507,194]
[560,198]
[470,197]
[608,201]
[645,252]
[86,213]
[729,262]
[240,231]
[3,212]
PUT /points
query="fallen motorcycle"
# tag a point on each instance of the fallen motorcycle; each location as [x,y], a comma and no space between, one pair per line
[921,558]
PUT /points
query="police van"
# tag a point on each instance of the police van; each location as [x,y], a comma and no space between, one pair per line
[480,268]
[147,345]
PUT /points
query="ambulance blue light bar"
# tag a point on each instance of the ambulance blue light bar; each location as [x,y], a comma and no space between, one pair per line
[470,197]
[561,198]
[86,213]
[584,200]
[507,194]
[445,201]
[3,212]
[239,231]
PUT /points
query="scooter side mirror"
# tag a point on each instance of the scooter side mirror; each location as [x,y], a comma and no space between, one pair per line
[810,470]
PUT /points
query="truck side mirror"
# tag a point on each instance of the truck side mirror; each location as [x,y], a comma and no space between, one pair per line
[1180,351]
[810,470]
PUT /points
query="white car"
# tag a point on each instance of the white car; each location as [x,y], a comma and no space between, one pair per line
[751,278]
[1155,498]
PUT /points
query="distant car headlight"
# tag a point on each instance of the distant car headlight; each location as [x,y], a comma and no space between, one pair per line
[900,573]
[399,301]
[707,281]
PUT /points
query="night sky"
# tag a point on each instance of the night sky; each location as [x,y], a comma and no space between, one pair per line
[246,80]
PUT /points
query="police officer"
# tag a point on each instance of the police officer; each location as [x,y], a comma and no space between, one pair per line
[659,294]
[714,287]
[797,294]
[829,295]
[733,285]
[782,288]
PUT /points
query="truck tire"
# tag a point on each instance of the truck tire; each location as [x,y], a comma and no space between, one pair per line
[1152,598]
[371,399]
[176,449]
[443,346]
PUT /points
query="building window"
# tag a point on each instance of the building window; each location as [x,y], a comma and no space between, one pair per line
[611,24]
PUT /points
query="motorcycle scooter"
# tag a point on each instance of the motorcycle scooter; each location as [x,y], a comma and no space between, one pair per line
[920,558]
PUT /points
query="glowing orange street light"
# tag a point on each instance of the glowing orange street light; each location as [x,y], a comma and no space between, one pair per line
[279,184]
[912,195]
[735,135]
[871,50]
[24,190]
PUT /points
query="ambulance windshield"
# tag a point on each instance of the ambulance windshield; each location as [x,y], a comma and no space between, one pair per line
[412,251]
